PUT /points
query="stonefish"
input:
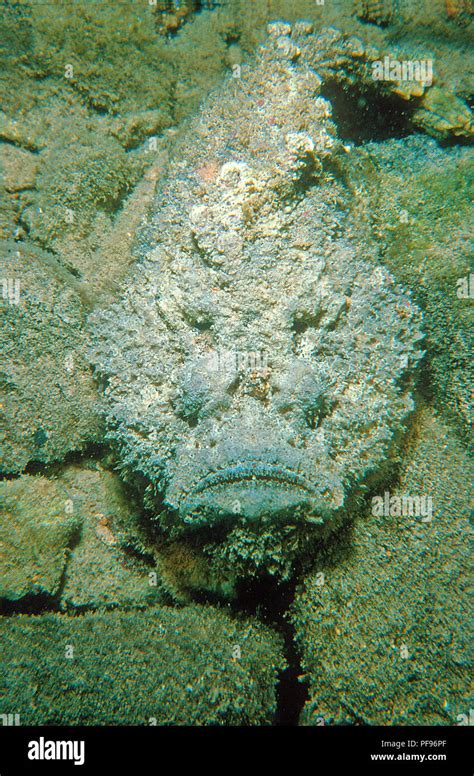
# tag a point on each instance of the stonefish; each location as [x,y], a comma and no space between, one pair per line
[258,367]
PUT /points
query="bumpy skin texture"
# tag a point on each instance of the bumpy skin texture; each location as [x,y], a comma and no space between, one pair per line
[257,367]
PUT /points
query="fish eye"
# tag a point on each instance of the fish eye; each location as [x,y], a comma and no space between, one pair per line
[198,314]
[202,321]
[315,411]
[190,398]
[305,319]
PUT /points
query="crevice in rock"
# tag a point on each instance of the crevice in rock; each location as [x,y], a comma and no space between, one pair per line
[456,141]
[365,115]
[92,452]
[270,602]
[33,603]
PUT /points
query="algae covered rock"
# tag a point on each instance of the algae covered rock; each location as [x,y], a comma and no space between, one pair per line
[47,393]
[109,564]
[112,56]
[193,666]
[78,185]
[381,623]
[19,168]
[38,525]
[443,114]
[417,198]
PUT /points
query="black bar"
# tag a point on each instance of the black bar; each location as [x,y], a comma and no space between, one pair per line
[156,750]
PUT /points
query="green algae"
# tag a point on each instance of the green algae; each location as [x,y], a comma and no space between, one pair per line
[164,666]
[381,621]
[417,198]
[36,533]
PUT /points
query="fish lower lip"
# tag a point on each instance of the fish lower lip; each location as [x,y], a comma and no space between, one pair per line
[254,472]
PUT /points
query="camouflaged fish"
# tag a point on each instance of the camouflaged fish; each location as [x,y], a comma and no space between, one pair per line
[258,366]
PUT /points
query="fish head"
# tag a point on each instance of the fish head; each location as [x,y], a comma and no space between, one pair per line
[263,378]
[279,392]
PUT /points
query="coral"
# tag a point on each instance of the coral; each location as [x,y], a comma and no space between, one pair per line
[442,114]
[421,12]
[377,67]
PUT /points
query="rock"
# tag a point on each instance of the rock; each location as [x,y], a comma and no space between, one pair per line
[47,393]
[37,528]
[382,622]
[442,114]
[191,666]
[19,168]
[108,565]
[423,79]
[375,11]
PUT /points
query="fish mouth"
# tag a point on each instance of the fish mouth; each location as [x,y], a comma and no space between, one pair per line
[247,490]
[256,473]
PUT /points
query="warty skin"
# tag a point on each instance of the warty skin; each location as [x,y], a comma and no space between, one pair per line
[257,367]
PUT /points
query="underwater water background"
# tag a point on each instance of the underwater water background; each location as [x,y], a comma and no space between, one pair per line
[110,614]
